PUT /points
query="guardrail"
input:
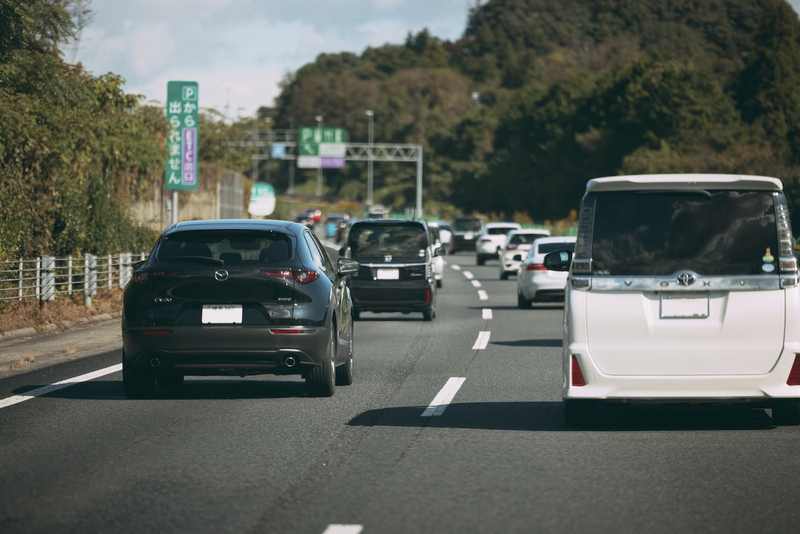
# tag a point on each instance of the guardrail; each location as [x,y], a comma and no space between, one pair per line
[45,277]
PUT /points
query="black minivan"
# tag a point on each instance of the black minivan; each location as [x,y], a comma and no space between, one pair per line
[396,272]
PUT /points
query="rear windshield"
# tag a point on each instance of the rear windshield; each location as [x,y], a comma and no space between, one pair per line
[546,248]
[467,225]
[232,247]
[401,241]
[500,230]
[525,239]
[661,233]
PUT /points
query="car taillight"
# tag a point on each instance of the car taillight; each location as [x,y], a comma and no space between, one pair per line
[794,374]
[577,375]
[512,247]
[535,267]
[427,296]
[142,277]
[288,331]
[302,276]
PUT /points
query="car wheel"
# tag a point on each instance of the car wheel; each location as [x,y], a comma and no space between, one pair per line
[321,382]
[171,381]
[344,373]
[503,275]
[137,383]
[438,283]
[428,315]
[356,315]
[577,412]
[480,260]
[786,413]
[523,303]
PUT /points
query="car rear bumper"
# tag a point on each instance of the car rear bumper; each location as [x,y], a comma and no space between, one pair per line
[460,243]
[400,296]
[678,388]
[488,249]
[534,286]
[224,349]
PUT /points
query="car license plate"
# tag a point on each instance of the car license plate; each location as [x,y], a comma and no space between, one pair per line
[388,274]
[222,314]
[468,236]
[684,307]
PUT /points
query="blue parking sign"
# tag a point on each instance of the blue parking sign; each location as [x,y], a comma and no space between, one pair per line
[278,151]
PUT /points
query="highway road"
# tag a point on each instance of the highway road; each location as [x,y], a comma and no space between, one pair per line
[450,426]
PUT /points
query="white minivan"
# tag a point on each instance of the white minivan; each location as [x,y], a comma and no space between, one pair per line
[682,288]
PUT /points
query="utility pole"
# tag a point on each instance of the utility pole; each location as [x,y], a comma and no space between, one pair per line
[369,161]
[319,169]
[292,163]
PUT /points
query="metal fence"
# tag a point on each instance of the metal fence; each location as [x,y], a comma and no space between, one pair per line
[47,276]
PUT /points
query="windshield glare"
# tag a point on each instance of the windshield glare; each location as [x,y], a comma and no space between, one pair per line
[661,233]
[398,241]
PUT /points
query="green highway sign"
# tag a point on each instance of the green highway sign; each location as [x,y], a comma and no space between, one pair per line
[262,199]
[183,116]
[321,147]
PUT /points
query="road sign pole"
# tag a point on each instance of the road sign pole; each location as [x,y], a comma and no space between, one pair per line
[174,207]
[418,212]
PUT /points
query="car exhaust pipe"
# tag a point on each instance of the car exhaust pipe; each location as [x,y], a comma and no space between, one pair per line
[155,362]
[289,361]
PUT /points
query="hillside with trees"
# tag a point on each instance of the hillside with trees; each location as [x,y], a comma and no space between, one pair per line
[539,96]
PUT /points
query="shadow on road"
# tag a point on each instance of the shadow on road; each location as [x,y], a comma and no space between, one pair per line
[530,343]
[193,389]
[549,417]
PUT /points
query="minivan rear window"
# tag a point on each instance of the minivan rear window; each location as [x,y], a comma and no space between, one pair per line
[658,233]
[467,225]
[225,247]
[409,241]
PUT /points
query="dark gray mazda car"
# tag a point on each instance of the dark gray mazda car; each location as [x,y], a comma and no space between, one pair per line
[237,297]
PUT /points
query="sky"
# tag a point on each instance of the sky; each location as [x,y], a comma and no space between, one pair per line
[238,50]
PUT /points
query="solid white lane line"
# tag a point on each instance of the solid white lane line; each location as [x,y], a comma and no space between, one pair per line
[456,267]
[482,295]
[444,397]
[343,529]
[476,283]
[44,390]
[482,341]
[487,313]
[468,275]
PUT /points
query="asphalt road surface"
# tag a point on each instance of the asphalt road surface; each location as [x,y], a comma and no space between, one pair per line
[450,426]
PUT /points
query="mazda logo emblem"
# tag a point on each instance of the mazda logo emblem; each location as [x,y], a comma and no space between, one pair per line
[686,279]
[221,275]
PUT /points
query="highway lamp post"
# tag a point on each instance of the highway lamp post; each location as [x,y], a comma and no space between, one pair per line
[370,115]
[291,163]
[268,145]
[318,118]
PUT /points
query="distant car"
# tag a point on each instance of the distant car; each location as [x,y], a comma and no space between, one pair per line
[438,260]
[445,235]
[464,232]
[236,298]
[518,244]
[332,223]
[397,273]
[305,220]
[534,282]
[492,239]
[314,214]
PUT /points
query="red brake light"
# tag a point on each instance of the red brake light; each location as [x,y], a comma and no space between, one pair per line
[305,277]
[535,267]
[141,277]
[794,374]
[427,296]
[577,375]
[512,247]
[301,275]
[283,273]
[293,331]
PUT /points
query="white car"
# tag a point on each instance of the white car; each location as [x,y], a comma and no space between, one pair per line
[534,282]
[492,239]
[438,261]
[445,235]
[683,288]
[518,244]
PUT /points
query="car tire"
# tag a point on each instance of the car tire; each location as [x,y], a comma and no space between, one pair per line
[786,413]
[438,283]
[171,381]
[356,315]
[523,303]
[428,315]
[137,383]
[344,373]
[577,412]
[504,275]
[321,382]
[480,260]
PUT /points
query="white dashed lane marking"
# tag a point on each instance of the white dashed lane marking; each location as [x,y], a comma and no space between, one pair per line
[482,341]
[456,267]
[343,529]
[468,275]
[476,283]
[444,397]
[44,390]
[482,295]
[487,313]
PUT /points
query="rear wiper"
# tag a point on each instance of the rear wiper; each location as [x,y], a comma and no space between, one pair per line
[200,259]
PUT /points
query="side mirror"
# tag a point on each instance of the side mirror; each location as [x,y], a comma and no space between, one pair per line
[438,251]
[517,257]
[559,260]
[138,265]
[346,266]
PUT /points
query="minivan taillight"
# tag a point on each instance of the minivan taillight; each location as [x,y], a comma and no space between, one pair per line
[535,267]
[577,375]
[794,374]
